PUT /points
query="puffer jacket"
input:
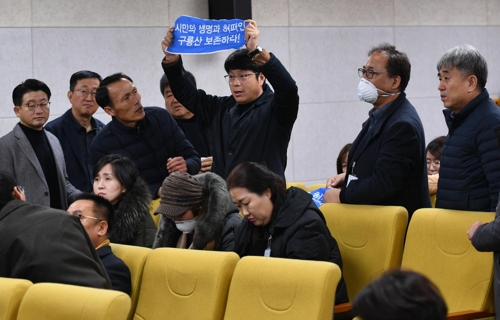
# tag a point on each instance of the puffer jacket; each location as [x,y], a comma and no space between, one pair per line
[469,175]
[149,144]
[297,231]
[217,221]
[133,224]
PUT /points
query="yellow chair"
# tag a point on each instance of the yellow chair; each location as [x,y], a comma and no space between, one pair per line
[299,185]
[276,288]
[154,205]
[437,246]
[54,301]
[135,258]
[433,200]
[185,284]
[11,294]
[315,186]
[370,239]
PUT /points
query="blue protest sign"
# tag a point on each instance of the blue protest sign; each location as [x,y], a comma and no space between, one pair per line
[199,36]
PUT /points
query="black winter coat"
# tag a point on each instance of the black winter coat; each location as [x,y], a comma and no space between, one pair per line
[469,175]
[262,131]
[149,144]
[298,231]
[388,159]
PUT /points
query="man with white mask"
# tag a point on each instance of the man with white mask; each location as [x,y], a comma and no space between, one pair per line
[386,163]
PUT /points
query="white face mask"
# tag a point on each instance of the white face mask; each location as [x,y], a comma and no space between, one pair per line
[369,93]
[186,226]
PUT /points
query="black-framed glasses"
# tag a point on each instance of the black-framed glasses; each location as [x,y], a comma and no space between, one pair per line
[84,93]
[33,106]
[241,77]
[369,72]
[82,216]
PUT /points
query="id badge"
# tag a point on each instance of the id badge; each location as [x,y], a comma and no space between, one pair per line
[351,178]
[267,253]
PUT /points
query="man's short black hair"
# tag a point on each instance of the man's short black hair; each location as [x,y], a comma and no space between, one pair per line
[102,94]
[7,184]
[84,74]
[165,83]
[102,208]
[29,85]
[239,59]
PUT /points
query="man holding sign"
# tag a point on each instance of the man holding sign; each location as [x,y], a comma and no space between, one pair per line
[254,123]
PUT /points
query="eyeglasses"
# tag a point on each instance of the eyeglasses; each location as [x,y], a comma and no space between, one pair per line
[81,216]
[84,93]
[20,189]
[369,73]
[242,78]
[33,106]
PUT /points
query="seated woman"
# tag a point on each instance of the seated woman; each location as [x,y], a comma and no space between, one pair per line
[279,222]
[433,155]
[117,179]
[197,213]
[342,159]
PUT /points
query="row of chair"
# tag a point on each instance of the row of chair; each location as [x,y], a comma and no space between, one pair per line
[191,284]
[22,300]
[173,283]
[372,241]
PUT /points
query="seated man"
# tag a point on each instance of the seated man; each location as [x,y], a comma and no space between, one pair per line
[197,132]
[96,215]
[149,136]
[32,155]
[31,246]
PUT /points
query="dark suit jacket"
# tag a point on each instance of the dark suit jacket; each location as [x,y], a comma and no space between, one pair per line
[389,161]
[42,244]
[79,171]
[18,158]
[117,270]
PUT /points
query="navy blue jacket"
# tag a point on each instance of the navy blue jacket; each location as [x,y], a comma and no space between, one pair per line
[469,175]
[149,144]
[117,270]
[260,134]
[389,161]
[78,161]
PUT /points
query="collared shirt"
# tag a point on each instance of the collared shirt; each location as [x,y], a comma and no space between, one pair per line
[84,141]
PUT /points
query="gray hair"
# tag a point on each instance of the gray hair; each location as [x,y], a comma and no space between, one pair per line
[468,61]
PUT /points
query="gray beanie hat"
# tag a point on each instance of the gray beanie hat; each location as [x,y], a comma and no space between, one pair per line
[179,192]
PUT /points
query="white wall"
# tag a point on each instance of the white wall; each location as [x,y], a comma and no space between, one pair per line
[321,42]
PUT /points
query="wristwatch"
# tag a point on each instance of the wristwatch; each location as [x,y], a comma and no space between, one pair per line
[257,50]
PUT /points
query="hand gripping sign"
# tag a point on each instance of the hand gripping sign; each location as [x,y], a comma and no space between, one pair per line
[201,36]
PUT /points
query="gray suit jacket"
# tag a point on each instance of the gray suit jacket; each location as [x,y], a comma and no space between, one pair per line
[18,158]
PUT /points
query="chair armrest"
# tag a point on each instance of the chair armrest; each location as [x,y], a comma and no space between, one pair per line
[343,307]
[469,314]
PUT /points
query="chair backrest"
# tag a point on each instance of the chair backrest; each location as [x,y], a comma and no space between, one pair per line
[54,301]
[185,284]
[135,259]
[438,247]
[154,205]
[276,288]
[300,185]
[315,186]
[11,294]
[370,239]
